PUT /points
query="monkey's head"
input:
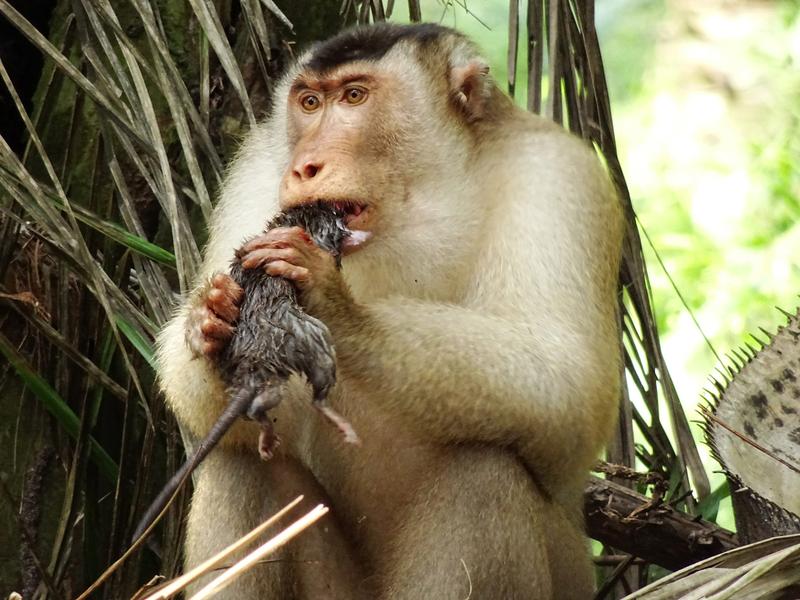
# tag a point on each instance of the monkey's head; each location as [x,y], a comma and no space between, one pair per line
[379,120]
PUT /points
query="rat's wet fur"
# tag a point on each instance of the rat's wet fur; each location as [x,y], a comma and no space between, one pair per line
[274,338]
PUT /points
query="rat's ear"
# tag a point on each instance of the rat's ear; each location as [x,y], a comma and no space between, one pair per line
[470,87]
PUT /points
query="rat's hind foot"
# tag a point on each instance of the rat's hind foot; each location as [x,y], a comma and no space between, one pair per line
[270,396]
[268,440]
[340,422]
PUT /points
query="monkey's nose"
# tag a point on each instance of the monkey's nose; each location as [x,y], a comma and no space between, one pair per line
[307,170]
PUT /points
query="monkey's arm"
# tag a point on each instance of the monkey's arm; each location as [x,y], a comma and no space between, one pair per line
[545,388]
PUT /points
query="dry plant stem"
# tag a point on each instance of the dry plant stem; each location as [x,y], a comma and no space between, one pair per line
[612,560]
[655,480]
[660,534]
[262,551]
[179,583]
[24,534]
[616,575]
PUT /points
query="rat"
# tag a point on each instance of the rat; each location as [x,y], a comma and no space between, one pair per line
[273,339]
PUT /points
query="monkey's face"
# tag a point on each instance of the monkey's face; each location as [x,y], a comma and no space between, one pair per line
[380,139]
[345,136]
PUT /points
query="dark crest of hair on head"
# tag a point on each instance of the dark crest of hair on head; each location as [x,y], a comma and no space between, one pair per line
[369,43]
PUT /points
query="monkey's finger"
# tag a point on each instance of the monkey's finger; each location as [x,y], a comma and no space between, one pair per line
[265,240]
[255,259]
[212,347]
[221,304]
[226,284]
[259,258]
[280,237]
[290,234]
[281,268]
[216,328]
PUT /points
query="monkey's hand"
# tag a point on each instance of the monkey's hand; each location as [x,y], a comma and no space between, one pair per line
[210,322]
[290,253]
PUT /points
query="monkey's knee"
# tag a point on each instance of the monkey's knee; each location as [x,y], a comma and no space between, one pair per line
[476,535]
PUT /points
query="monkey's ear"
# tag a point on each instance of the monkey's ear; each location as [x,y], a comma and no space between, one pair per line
[470,88]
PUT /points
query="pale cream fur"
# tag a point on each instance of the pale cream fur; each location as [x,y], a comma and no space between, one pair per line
[479,364]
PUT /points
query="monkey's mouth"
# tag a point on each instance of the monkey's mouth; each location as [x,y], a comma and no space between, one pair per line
[351,209]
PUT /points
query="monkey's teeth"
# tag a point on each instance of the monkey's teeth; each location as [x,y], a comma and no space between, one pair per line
[351,208]
[356,238]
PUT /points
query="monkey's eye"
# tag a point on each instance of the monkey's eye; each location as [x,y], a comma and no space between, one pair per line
[309,102]
[355,95]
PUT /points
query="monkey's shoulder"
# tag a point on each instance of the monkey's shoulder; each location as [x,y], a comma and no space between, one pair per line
[540,141]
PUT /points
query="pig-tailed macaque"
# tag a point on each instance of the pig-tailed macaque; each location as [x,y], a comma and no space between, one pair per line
[474,323]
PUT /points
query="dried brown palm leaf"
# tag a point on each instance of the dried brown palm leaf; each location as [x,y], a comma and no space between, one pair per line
[766,570]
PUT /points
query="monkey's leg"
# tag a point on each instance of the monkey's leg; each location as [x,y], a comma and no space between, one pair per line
[477,532]
[571,566]
[235,492]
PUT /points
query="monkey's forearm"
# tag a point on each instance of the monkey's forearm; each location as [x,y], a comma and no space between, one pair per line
[470,377]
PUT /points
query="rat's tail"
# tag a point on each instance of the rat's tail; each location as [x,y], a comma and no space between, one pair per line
[236,408]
